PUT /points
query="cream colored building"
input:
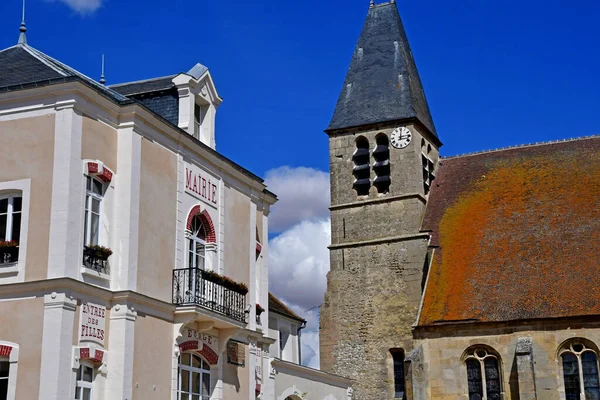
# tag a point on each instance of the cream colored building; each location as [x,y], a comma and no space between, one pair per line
[133,255]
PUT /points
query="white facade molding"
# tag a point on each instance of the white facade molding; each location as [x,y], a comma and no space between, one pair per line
[13,273]
[57,342]
[126,211]
[119,383]
[66,224]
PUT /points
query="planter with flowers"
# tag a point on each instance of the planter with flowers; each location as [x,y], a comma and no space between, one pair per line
[226,282]
[95,257]
[9,251]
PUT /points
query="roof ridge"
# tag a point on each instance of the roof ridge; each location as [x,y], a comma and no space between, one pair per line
[39,56]
[143,80]
[519,146]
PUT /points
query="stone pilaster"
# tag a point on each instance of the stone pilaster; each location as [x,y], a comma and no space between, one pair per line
[525,369]
[57,343]
[120,355]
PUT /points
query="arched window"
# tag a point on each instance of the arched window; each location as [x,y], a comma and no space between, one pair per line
[483,375]
[193,378]
[10,227]
[362,168]
[399,382]
[4,369]
[580,370]
[381,154]
[197,244]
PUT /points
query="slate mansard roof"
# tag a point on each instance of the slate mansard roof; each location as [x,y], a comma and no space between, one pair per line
[382,83]
[517,233]
[24,67]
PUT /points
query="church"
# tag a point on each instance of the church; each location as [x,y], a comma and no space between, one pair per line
[468,277]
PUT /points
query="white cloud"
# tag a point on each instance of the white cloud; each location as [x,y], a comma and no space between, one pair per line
[83,6]
[298,266]
[303,195]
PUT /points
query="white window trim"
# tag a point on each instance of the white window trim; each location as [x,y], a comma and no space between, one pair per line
[12,372]
[16,273]
[84,384]
[189,368]
[89,195]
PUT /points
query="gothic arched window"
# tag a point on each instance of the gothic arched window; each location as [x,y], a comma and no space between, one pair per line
[362,168]
[381,154]
[483,375]
[580,370]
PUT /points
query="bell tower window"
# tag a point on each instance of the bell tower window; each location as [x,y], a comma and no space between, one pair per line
[381,167]
[428,166]
[362,168]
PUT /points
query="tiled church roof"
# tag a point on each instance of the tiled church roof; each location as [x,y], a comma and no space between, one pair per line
[518,232]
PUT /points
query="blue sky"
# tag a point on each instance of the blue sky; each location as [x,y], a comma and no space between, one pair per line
[496,73]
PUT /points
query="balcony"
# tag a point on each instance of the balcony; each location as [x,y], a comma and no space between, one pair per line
[196,287]
[94,261]
[8,255]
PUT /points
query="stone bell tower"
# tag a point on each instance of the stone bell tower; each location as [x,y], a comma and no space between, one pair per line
[383,150]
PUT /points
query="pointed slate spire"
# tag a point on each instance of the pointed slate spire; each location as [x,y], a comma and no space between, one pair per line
[23,28]
[382,84]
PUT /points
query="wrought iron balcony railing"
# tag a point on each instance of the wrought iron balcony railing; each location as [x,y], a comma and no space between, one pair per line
[9,255]
[92,261]
[193,286]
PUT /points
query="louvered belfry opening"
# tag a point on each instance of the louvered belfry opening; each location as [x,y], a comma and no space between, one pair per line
[362,167]
[381,167]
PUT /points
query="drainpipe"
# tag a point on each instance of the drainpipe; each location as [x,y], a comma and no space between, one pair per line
[299,334]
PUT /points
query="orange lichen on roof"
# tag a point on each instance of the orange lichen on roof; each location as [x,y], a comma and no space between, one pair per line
[518,234]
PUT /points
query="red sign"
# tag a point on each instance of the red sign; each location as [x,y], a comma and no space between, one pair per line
[5,350]
[200,186]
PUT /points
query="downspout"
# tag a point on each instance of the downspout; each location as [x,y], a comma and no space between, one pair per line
[299,334]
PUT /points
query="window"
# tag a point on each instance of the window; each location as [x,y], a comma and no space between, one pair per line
[193,378]
[362,168]
[580,371]
[197,244]
[4,368]
[381,154]
[84,385]
[483,375]
[428,166]
[93,202]
[10,227]
[197,121]
[399,382]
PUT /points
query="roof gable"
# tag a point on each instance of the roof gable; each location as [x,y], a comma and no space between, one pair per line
[382,83]
[517,234]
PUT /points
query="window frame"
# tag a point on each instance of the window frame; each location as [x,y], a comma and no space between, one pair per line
[15,272]
[13,364]
[10,214]
[568,347]
[191,370]
[80,383]
[196,240]
[471,354]
[90,195]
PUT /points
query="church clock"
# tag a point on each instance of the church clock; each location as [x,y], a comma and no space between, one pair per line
[401,137]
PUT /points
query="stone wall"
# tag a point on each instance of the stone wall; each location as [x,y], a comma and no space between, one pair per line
[530,364]
[377,260]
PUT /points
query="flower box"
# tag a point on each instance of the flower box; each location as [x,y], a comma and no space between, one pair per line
[9,252]
[97,252]
[226,282]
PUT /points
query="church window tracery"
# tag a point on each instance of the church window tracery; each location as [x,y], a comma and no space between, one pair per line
[483,375]
[362,167]
[381,167]
[580,371]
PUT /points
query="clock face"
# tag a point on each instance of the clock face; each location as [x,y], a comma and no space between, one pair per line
[401,137]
